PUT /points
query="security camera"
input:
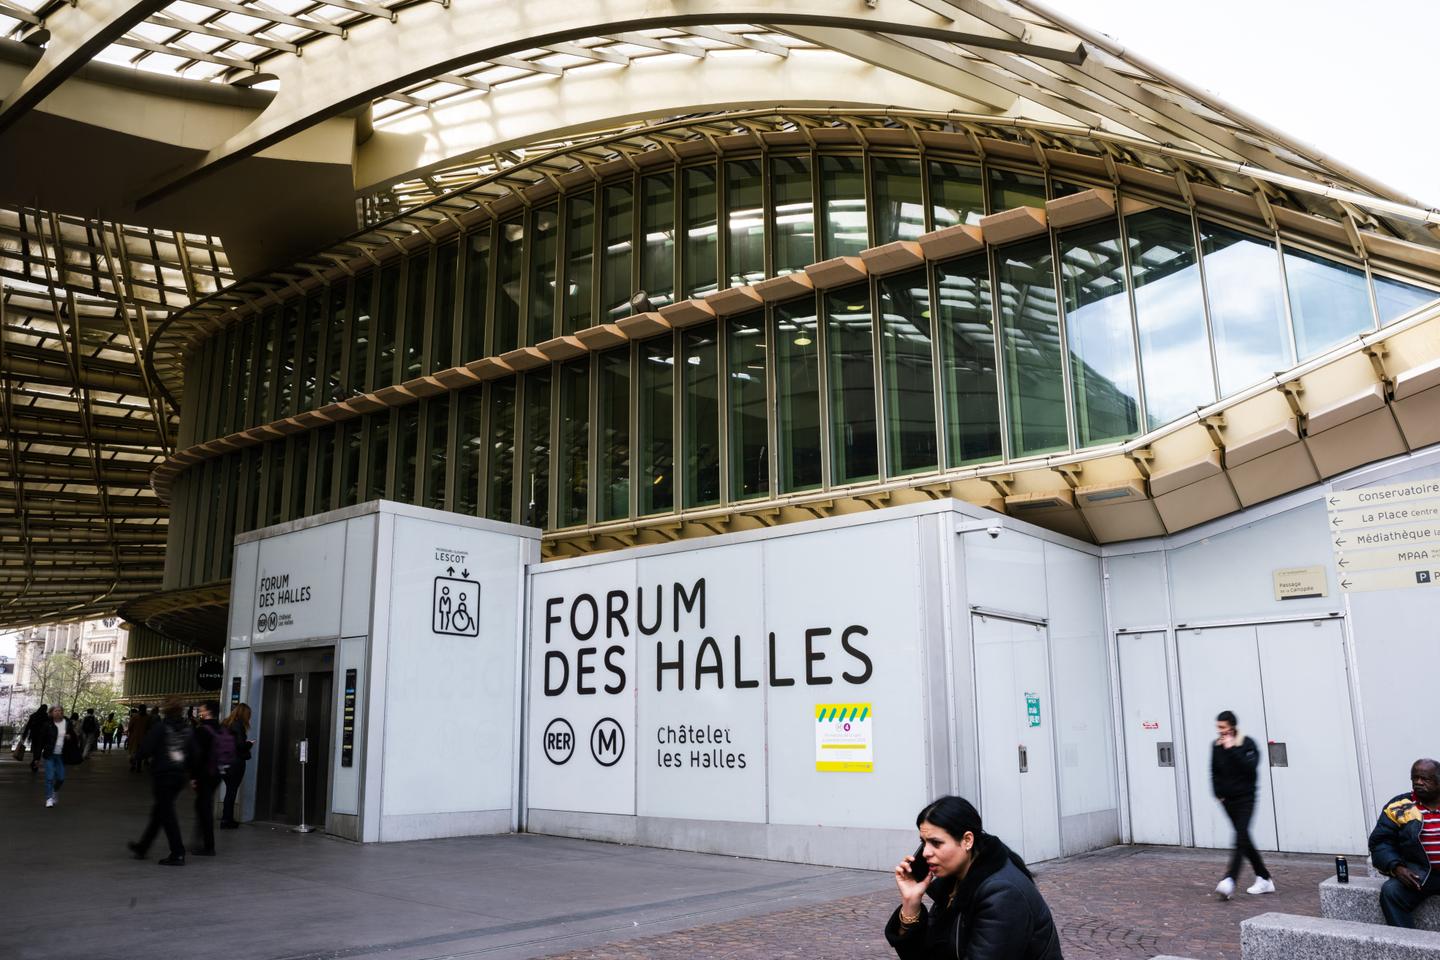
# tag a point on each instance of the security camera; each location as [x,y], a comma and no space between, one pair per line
[994,531]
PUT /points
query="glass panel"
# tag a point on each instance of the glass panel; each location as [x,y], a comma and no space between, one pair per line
[1329,304]
[284,386]
[794,216]
[574,442]
[657,265]
[747,406]
[502,450]
[579,261]
[310,342]
[909,373]
[1030,327]
[1247,314]
[477,302]
[275,484]
[509,261]
[264,368]
[1097,330]
[471,452]
[899,202]
[745,210]
[797,384]
[1009,190]
[544,251]
[437,451]
[442,324]
[351,435]
[244,363]
[224,411]
[413,357]
[1063,188]
[249,511]
[698,260]
[386,317]
[618,240]
[613,413]
[360,332]
[299,476]
[1396,299]
[1170,312]
[700,415]
[333,389]
[854,443]
[842,185]
[656,477]
[320,494]
[957,193]
[407,443]
[967,361]
[535,496]
[377,437]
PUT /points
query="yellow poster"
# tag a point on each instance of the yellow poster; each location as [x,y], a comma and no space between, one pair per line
[844,738]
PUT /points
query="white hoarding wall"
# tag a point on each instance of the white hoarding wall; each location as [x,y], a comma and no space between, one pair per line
[687,685]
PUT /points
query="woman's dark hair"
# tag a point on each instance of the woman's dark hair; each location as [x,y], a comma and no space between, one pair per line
[957,817]
[1226,716]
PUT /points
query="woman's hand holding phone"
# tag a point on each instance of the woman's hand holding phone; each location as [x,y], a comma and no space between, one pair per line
[913,878]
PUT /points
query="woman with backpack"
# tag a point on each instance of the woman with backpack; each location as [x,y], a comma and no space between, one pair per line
[238,726]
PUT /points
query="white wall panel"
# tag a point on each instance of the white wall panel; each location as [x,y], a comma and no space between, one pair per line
[1137,590]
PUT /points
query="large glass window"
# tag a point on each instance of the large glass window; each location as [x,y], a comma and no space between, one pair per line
[1009,189]
[698,262]
[509,261]
[442,327]
[377,455]
[351,434]
[499,492]
[1396,299]
[618,241]
[320,498]
[793,226]
[310,346]
[573,442]
[244,361]
[470,452]
[265,366]
[905,344]
[251,466]
[1329,303]
[333,389]
[387,315]
[275,483]
[1170,313]
[842,185]
[407,445]
[747,405]
[655,481]
[413,355]
[579,260]
[967,361]
[657,264]
[797,401]
[535,495]
[544,251]
[700,415]
[477,301]
[745,211]
[225,414]
[437,450]
[284,387]
[361,330]
[854,443]
[299,476]
[957,193]
[899,199]
[1247,309]
[613,459]
[1030,338]
[1098,334]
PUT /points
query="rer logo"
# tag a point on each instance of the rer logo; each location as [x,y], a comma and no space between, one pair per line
[607,742]
[559,741]
[456,607]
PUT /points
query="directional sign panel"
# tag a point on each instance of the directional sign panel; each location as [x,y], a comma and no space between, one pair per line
[1387,537]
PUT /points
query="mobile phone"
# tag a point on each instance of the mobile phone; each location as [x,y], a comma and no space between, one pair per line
[919,869]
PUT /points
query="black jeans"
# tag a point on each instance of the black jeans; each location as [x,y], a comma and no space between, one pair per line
[167,787]
[1398,901]
[205,811]
[1240,810]
[232,779]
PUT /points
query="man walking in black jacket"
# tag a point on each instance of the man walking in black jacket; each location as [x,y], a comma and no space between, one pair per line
[1233,764]
[169,746]
[203,777]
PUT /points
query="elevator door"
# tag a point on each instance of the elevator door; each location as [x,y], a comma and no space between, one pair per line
[1149,739]
[297,705]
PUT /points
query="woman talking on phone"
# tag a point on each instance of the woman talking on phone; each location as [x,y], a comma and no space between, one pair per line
[984,904]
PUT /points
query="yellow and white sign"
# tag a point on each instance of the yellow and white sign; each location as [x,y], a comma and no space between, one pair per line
[844,738]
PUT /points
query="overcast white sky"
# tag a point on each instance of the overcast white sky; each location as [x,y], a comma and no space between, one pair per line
[1355,80]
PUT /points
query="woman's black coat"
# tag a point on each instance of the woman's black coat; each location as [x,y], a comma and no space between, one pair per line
[997,914]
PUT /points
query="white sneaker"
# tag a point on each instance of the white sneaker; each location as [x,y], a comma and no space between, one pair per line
[50,801]
[1261,885]
[1225,888]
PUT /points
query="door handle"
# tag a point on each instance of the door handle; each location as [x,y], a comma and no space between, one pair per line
[1279,754]
[1024,761]
[1165,754]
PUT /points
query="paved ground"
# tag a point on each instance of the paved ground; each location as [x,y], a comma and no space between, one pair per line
[71,892]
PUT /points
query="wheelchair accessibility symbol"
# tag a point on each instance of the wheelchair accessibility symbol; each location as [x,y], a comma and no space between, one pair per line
[456,609]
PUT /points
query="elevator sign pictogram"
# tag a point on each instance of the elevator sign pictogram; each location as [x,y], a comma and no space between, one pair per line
[455,607]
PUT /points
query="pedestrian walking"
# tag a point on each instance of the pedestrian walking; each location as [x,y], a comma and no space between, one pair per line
[984,903]
[135,737]
[32,734]
[205,765]
[89,733]
[1234,761]
[56,737]
[109,729]
[169,746]
[237,724]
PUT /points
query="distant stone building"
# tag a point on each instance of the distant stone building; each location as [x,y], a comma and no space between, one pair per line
[100,644]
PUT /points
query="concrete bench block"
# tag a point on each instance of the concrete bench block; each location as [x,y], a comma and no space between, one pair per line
[1359,901]
[1283,936]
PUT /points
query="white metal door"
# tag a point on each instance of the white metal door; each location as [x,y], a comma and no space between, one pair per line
[1220,670]
[1149,738]
[1314,765]
[1017,753]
